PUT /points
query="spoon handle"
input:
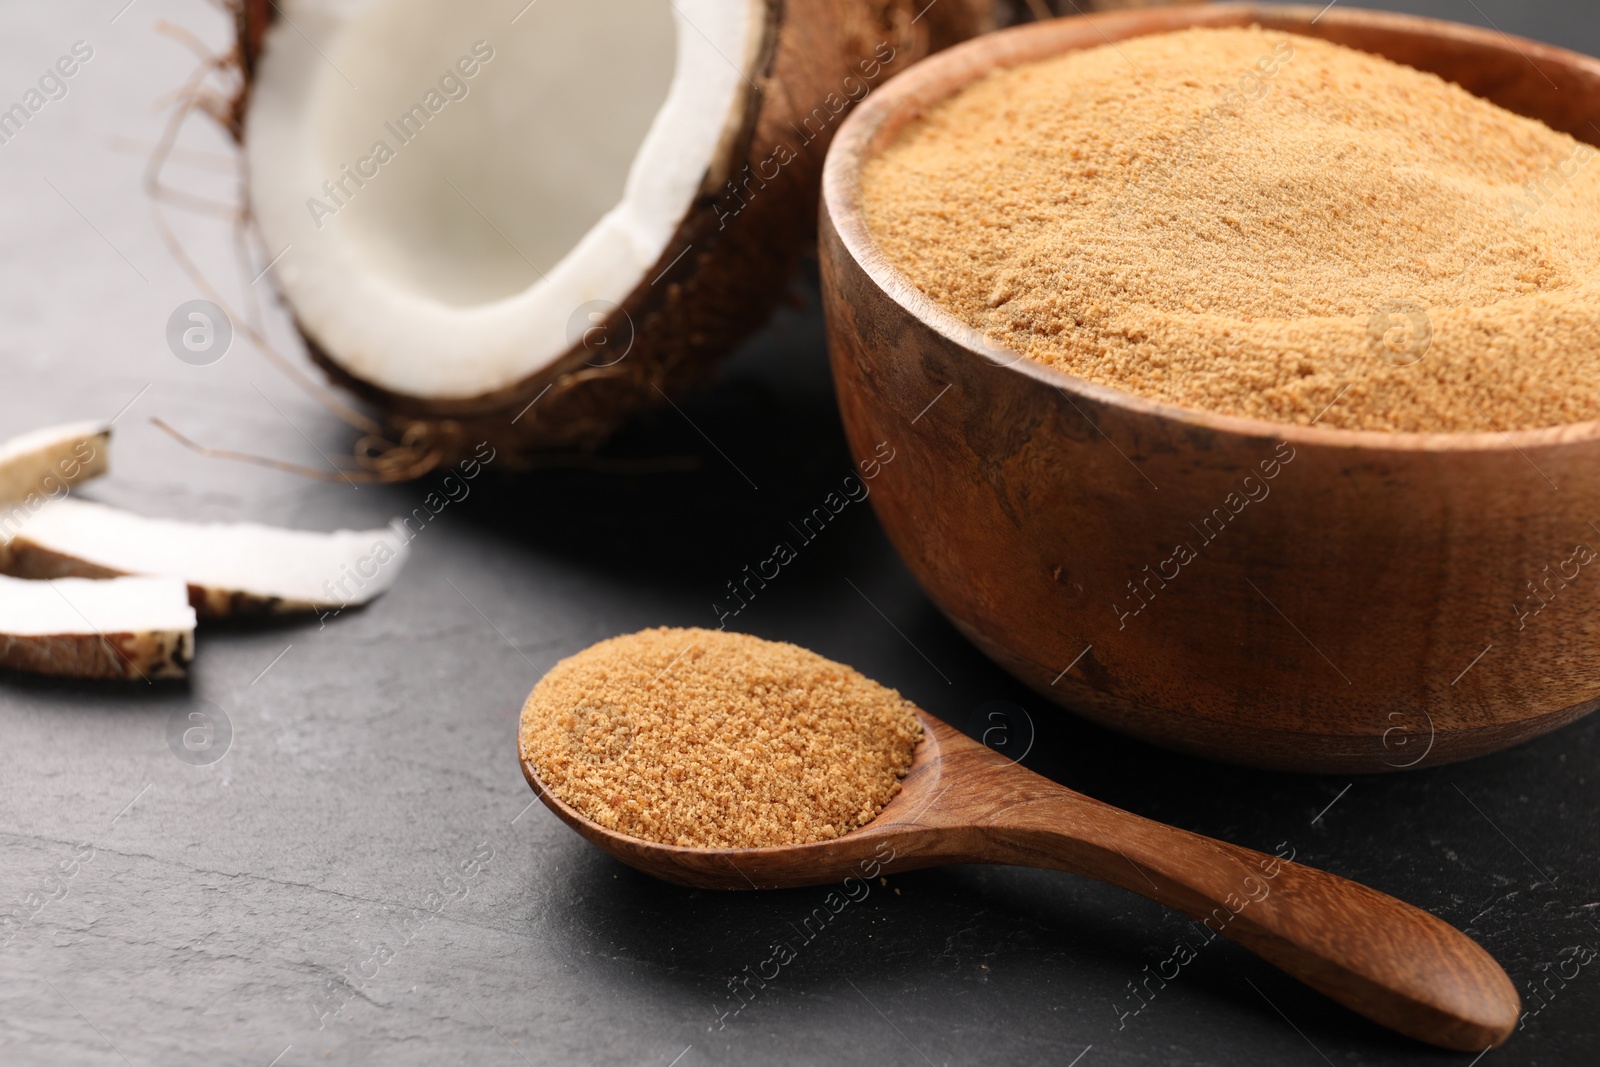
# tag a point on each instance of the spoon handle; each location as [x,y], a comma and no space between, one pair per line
[1394,963]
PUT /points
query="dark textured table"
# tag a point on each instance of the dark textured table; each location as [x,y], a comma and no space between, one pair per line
[362,877]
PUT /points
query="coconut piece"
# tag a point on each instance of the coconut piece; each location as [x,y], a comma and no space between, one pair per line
[230,568]
[520,223]
[124,628]
[45,462]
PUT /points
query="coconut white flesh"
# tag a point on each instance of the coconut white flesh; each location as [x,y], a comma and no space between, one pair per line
[45,462]
[230,568]
[558,178]
[118,628]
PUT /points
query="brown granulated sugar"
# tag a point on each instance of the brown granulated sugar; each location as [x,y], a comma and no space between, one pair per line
[1263,225]
[711,739]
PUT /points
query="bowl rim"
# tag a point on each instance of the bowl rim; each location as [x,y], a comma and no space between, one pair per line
[852,146]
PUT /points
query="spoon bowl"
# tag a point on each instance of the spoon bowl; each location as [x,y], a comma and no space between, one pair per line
[964,803]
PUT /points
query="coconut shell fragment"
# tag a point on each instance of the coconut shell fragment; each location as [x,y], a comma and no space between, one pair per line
[133,629]
[230,569]
[45,463]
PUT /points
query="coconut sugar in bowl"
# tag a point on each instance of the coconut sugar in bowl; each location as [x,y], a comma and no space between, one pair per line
[1303,593]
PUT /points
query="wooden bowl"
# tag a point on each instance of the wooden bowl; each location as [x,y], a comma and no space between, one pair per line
[1371,611]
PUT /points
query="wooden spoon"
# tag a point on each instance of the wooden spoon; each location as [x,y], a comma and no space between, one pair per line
[964,803]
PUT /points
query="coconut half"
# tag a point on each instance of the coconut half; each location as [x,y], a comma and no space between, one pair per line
[45,463]
[230,569]
[124,628]
[520,221]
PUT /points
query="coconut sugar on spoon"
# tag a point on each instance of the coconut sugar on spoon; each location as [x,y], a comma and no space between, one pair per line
[709,739]
[1340,227]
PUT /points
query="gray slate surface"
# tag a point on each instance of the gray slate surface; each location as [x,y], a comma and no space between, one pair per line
[302,900]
